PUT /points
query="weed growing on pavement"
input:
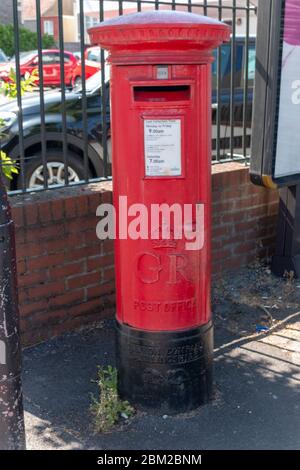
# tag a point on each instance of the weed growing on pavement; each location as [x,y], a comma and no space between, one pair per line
[108,408]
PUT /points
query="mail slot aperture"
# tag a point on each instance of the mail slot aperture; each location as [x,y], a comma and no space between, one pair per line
[162,94]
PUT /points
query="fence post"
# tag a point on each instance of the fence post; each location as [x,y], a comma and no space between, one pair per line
[12,433]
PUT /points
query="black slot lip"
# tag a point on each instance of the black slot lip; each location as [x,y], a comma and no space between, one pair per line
[162,93]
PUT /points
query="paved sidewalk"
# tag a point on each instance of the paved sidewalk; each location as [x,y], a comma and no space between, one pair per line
[257,403]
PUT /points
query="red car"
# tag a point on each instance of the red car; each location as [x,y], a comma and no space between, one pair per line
[51,66]
[92,65]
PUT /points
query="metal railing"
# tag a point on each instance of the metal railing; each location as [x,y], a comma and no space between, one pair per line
[75,128]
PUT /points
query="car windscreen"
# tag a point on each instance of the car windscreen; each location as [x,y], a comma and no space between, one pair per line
[24,57]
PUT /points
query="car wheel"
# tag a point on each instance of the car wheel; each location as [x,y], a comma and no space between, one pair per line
[78,82]
[35,174]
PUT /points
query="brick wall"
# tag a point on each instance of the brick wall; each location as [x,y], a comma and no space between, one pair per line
[244,218]
[65,273]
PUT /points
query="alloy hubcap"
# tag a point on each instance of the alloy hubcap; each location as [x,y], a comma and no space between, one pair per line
[55,175]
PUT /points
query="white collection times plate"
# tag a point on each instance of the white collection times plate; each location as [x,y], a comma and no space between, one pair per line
[162,141]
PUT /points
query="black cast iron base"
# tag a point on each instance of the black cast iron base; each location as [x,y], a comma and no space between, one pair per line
[287,251]
[170,372]
[286,264]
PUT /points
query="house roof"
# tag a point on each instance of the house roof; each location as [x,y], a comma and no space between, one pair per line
[68,8]
[29,8]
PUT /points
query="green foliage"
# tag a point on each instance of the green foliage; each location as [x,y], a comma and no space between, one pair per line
[8,166]
[9,89]
[28,83]
[48,41]
[108,408]
[27,39]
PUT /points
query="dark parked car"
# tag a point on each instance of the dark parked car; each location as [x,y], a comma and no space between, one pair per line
[225,95]
[34,170]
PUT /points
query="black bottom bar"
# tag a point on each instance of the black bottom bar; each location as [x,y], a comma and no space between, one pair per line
[282,264]
[170,372]
[287,252]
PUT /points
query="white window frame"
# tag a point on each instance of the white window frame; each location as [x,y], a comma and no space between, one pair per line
[49,27]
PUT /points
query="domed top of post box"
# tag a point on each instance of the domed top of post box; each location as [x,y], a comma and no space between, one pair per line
[161,31]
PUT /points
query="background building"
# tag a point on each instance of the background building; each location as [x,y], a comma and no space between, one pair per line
[71,15]
[29,12]
[6,11]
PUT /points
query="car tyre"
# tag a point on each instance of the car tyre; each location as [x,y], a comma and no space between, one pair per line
[34,169]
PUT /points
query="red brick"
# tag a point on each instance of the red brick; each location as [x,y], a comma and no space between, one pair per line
[27,309]
[82,206]
[223,206]
[53,246]
[23,295]
[94,305]
[90,237]
[99,262]
[259,232]
[217,244]
[233,240]
[234,217]
[47,290]
[45,261]
[83,280]
[57,207]
[106,197]
[100,290]
[70,207]
[45,213]
[256,212]
[67,299]
[247,247]
[18,216]
[108,274]
[66,270]
[21,267]
[45,233]
[32,279]
[81,225]
[31,214]
[222,231]
[26,250]
[20,234]
[77,254]
[221,254]
[94,201]
[107,246]
[75,239]
[250,201]
[244,226]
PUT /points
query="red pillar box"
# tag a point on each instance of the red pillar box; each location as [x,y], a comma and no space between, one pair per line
[161,147]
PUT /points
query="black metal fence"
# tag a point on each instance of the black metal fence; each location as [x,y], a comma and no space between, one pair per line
[62,136]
